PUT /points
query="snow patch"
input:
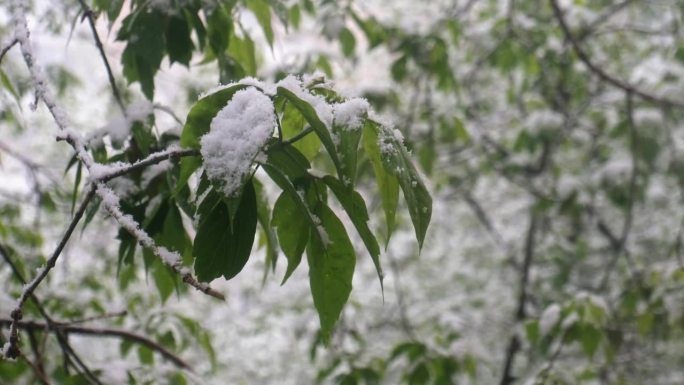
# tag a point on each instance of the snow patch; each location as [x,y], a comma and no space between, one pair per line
[350,114]
[236,136]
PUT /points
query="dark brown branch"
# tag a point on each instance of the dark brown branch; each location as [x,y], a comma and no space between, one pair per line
[101,332]
[603,75]
[70,356]
[3,50]
[16,314]
[88,14]
[514,344]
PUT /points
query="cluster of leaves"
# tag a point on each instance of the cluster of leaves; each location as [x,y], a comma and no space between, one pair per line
[301,219]
[178,29]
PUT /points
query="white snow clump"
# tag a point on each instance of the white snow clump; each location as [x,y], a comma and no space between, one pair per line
[350,114]
[235,138]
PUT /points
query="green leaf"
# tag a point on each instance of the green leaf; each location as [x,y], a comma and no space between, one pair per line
[143,32]
[219,25]
[8,85]
[348,42]
[173,235]
[295,15]
[262,11]
[242,50]
[355,207]
[111,7]
[145,355]
[348,149]
[222,249]
[388,185]
[288,160]
[269,236]
[372,29]
[590,338]
[331,268]
[164,278]
[292,123]
[293,231]
[318,126]
[284,183]
[178,42]
[397,161]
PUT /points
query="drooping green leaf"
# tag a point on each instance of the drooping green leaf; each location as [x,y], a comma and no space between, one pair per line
[178,42]
[397,161]
[293,231]
[295,15]
[388,185]
[284,183]
[348,149]
[143,32]
[331,261]
[8,85]
[289,160]
[293,123]
[222,249]
[242,50]
[269,236]
[111,7]
[315,122]
[348,42]
[262,11]
[355,207]
[219,25]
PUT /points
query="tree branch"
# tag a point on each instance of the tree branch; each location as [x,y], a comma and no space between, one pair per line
[88,14]
[7,47]
[16,314]
[100,332]
[514,344]
[584,58]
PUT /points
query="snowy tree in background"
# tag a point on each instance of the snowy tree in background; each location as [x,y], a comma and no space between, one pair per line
[548,132]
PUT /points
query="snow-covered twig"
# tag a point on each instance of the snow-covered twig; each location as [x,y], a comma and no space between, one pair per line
[110,201]
[105,173]
[76,140]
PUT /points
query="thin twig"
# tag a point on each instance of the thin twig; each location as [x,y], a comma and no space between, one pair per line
[584,58]
[101,332]
[7,47]
[16,314]
[88,14]
[514,344]
[150,160]
[168,111]
[70,356]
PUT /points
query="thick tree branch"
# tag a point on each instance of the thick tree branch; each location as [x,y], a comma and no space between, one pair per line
[584,58]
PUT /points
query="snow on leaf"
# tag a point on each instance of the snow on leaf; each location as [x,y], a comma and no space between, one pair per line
[236,136]
[350,114]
